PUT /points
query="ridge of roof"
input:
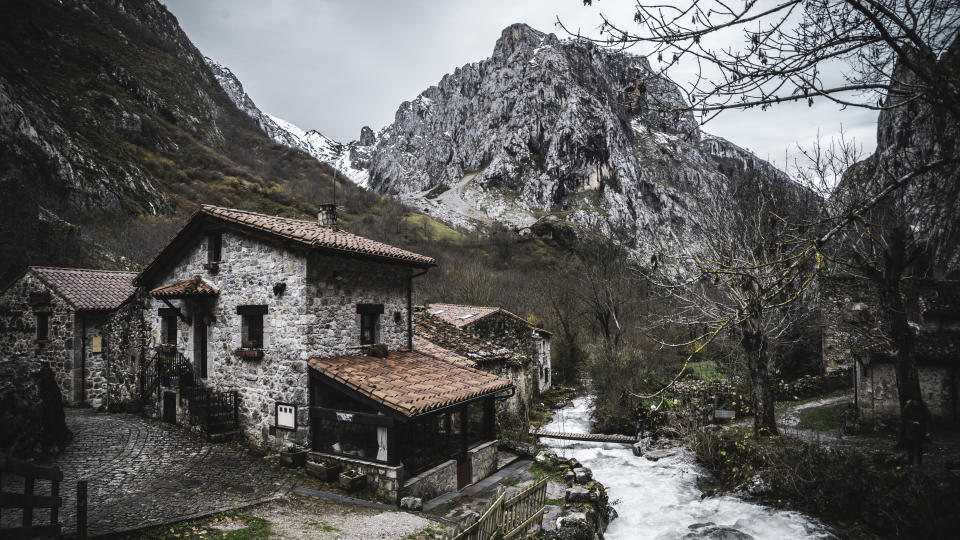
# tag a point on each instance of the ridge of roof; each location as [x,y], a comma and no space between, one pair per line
[87,288]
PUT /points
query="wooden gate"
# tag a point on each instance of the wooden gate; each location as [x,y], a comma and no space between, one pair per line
[508,518]
[28,501]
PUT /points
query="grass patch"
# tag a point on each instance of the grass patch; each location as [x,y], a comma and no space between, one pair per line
[322,526]
[434,230]
[539,469]
[826,418]
[707,370]
[556,502]
[247,528]
[513,481]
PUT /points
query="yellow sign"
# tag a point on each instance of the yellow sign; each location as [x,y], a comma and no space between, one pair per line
[97,345]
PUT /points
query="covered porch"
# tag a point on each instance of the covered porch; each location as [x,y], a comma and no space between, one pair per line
[427,423]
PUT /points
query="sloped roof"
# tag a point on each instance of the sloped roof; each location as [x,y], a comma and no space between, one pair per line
[461,315]
[425,346]
[194,286]
[311,233]
[433,330]
[305,233]
[85,288]
[409,382]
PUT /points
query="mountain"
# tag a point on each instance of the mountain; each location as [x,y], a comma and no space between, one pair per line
[111,120]
[548,129]
[350,159]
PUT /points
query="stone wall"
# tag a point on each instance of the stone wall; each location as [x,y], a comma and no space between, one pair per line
[879,402]
[505,331]
[513,413]
[844,298]
[31,408]
[543,363]
[18,329]
[432,483]
[126,338]
[314,315]
[383,481]
[483,460]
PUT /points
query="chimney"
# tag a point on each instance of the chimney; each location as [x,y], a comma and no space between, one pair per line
[328,216]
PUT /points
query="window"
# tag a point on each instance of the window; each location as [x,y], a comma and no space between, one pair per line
[251,332]
[214,247]
[43,326]
[168,329]
[369,318]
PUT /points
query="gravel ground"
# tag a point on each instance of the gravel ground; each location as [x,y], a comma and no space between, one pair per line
[295,517]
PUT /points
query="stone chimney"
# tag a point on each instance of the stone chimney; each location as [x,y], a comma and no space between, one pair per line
[328,216]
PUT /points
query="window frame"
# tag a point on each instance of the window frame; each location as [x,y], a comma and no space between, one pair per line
[369,322]
[248,314]
[45,317]
[214,247]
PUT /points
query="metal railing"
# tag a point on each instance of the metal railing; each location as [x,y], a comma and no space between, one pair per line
[212,410]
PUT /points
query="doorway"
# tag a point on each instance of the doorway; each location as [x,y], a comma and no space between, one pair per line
[200,345]
[170,407]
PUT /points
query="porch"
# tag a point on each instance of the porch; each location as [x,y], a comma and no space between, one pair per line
[414,424]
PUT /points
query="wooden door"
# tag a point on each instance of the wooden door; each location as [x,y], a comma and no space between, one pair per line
[464,471]
[170,407]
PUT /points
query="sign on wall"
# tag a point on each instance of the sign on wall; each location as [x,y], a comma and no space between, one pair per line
[97,344]
[344,417]
[286,416]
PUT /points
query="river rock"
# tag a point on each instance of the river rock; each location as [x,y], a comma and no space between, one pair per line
[577,494]
[637,449]
[411,503]
[657,455]
[582,475]
[709,531]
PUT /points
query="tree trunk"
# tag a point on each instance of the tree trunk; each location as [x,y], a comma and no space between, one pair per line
[901,338]
[755,346]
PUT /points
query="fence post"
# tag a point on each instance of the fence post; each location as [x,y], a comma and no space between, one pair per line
[82,510]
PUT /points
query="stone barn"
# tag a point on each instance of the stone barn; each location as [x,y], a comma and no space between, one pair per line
[853,337]
[85,323]
[295,331]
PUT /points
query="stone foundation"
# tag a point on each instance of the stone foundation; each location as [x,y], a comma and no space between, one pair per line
[483,460]
[433,482]
[383,481]
[879,401]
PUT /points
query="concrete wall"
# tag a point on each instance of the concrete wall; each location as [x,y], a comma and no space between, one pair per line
[314,316]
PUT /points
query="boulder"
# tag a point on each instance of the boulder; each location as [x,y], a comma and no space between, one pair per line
[577,494]
[411,503]
[31,410]
[637,449]
[582,475]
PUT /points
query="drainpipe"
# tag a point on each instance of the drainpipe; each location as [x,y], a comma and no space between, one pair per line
[83,359]
[106,359]
[410,308]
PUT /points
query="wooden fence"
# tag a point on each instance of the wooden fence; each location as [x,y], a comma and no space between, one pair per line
[28,501]
[508,518]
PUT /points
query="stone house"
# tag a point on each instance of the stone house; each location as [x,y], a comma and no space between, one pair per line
[85,323]
[304,332]
[505,330]
[853,339]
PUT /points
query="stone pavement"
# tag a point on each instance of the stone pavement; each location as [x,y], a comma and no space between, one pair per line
[143,472]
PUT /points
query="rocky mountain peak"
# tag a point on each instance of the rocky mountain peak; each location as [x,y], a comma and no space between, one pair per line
[367,137]
[516,37]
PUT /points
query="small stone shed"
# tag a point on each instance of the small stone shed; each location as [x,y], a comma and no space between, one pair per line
[505,330]
[417,423]
[853,334]
[86,323]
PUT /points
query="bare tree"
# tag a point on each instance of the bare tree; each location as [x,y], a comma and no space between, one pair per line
[758,54]
[733,281]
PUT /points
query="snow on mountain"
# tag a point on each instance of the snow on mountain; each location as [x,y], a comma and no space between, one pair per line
[350,159]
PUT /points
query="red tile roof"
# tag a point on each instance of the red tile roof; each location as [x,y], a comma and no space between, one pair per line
[85,288]
[409,382]
[423,345]
[194,286]
[311,233]
[461,315]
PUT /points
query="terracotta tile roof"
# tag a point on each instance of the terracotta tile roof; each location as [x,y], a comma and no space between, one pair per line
[425,346]
[461,315]
[409,382]
[194,286]
[432,329]
[311,233]
[85,288]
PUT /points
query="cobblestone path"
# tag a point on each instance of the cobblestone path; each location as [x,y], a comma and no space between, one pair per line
[143,472]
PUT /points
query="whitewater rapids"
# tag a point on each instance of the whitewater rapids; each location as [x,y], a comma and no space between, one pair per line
[660,500]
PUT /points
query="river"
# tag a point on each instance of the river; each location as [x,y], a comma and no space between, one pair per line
[660,500]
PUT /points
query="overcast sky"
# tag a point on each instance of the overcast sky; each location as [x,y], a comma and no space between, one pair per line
[338,65]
